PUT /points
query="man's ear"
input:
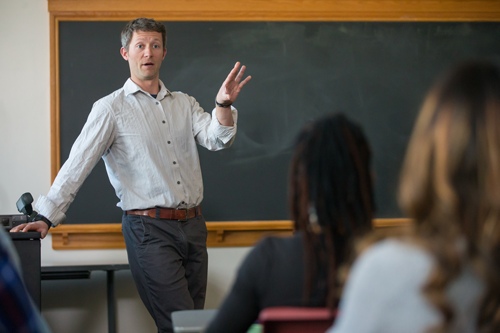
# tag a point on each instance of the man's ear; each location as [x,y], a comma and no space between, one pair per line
[164,53]
[124,53]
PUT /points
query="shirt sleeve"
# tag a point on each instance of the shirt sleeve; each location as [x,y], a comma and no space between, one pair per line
[96,137]
[384,292]
[207,130]
[242,306]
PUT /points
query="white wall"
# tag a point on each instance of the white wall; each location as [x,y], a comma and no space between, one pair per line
[77,306]
[24,100]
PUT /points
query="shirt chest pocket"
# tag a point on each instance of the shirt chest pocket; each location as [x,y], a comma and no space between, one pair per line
[138,134]
[178,129]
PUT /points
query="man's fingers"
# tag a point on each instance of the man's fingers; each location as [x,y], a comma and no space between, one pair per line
[233,72]
[38,226]
[242,83]
[29,226]
[240,74]
[24,227]
[232,85]
[17,228]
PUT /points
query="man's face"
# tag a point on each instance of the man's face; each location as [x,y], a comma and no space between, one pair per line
[144,55]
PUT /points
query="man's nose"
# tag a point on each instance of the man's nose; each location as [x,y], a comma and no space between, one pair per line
[148,51]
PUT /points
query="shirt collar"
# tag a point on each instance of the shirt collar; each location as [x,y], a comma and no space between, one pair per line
[164,92]
[130,87]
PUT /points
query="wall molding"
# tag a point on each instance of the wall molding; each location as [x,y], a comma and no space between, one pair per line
[220,234]
[278,10]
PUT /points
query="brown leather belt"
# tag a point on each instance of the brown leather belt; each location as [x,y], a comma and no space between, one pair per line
[180,214]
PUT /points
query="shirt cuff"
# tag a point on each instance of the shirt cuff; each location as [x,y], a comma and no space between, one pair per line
[47,208]
[224,133]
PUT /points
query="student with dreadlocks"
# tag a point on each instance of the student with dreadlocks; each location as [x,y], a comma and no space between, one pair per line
[446,276]
[331,203]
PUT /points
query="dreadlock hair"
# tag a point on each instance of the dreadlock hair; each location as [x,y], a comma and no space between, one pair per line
[330,197]
[450,185]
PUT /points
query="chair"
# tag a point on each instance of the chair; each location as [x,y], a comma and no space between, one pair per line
[296,320]
[192,321]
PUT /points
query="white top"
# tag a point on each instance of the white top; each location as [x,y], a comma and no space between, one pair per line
[384,293]
[148,146]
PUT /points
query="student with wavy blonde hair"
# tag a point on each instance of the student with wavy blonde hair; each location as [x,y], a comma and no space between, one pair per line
[445,277]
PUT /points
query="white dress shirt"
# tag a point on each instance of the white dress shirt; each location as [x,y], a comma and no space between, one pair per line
[148,146]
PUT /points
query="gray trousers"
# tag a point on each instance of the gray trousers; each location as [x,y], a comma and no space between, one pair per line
[168,260]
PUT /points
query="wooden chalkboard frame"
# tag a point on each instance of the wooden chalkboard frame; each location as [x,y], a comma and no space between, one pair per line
[84,236]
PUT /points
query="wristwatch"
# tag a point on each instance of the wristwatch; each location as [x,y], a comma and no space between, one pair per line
[222,105]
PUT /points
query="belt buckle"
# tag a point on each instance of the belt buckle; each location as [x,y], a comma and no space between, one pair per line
[186,210]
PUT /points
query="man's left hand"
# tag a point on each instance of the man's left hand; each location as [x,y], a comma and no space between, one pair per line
[232,86]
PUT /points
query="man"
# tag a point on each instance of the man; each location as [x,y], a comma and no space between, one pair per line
[147,138]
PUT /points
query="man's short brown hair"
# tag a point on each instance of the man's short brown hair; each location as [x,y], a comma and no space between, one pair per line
[142,24]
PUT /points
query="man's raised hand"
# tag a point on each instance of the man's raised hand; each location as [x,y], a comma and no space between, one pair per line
[232,86]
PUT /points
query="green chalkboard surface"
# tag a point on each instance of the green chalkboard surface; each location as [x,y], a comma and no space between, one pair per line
[377,73]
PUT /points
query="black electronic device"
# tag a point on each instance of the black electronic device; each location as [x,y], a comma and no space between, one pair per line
[23,206]
[12,220]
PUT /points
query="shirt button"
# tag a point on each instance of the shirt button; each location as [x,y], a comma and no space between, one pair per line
[163,121]
[178,182]
[157,103]
[175,162]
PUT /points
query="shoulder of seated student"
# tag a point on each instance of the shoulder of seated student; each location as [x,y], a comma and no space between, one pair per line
[393,260]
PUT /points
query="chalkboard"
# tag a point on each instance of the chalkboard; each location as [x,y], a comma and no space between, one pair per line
[376,73]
